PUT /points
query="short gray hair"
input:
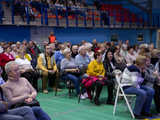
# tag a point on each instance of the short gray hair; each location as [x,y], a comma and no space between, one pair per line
[81,48]
[65,51]
[8,66]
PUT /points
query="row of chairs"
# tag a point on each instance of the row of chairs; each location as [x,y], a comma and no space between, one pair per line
[119,93]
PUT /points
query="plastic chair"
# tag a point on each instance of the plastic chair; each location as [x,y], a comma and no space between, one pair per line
[120,93]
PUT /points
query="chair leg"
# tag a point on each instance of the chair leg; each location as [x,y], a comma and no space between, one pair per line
[116,100]
[79,96]
[128,105]
[56,83]
[69,89]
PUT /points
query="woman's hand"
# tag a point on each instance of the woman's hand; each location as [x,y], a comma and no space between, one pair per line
[156,73]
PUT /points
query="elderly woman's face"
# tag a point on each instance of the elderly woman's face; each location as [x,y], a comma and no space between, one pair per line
[68,55]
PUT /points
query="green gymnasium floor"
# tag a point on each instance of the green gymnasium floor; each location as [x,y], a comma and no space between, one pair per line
[63,107]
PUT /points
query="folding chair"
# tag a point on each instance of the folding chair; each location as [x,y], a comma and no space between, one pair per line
[120,93]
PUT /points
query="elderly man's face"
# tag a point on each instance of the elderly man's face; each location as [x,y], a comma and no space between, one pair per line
[75,49]
[14,72]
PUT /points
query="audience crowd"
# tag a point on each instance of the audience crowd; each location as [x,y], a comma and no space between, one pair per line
[34,7]
[88,65]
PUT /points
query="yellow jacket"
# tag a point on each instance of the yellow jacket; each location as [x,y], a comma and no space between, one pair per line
[42,65]
[95,69]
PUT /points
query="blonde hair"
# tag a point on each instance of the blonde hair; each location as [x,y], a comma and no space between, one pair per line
[140,60]
[155,52]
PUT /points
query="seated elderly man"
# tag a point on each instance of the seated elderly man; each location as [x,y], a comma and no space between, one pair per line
[74,50]
[21,113]
[19,91]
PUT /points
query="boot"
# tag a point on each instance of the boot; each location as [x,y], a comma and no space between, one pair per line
[98,91]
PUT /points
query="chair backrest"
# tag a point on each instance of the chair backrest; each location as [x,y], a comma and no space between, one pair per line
[118,76]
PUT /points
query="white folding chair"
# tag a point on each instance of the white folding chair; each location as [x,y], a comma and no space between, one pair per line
[120,93]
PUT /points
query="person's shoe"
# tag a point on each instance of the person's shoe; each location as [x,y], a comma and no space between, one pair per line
[45,91]
[85,94]
[82,97]
[139,116]
[147,114]
[96,101]
[110,102]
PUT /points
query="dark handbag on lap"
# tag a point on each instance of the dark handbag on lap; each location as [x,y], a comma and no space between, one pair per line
[30,104]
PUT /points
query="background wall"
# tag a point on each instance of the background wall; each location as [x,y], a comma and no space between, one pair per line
[14,33]
[74,35]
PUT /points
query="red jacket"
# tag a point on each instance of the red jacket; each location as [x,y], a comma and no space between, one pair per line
[5,59]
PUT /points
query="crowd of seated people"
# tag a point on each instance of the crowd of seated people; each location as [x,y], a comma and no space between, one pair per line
[33,8]
[90,65]
[73,9]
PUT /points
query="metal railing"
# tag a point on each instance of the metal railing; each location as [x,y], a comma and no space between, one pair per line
[77,17]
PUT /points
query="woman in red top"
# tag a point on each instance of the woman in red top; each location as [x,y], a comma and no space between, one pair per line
[5,57]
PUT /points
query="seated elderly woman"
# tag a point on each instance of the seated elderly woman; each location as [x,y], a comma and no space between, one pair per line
[70,69]
[132,80]
[18,90]
[96,73]
[82,59]
[25,67]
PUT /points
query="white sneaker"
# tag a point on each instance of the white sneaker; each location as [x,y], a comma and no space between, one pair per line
[82,97]
[85,94]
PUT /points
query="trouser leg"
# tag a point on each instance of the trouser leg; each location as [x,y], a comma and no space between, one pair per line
[150,93]
[25,112]
[140,98]
[40,114]
[98,90]
[44,80]
[157,97]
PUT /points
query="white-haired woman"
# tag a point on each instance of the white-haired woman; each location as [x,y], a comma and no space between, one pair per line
[25,67]
[82,59]
[70,69]
[90,53]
